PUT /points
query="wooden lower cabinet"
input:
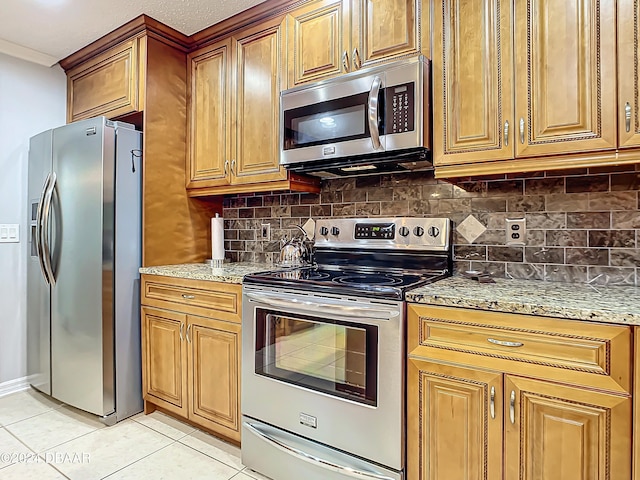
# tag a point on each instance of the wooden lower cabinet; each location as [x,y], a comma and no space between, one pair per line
[451,433]
[484,414]
[191,363]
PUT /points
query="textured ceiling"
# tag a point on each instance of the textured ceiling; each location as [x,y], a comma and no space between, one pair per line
[45,31]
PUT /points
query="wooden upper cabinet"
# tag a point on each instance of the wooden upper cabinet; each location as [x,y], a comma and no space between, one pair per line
[109,84]
[556,431]
[455,422]
[628,74]
[209,118]
[384,29]
[565,77]
[318,41]
[257,88]
[472,81]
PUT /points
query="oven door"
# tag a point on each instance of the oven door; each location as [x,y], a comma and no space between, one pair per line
[327,368]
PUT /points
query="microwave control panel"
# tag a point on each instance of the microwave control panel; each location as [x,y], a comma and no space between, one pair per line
[400,108]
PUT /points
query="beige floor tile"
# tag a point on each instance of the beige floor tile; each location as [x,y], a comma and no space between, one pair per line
[242,476]
[108,449]
[31,471]
[12,450]
[54,427]
[176,461]
[214,447]
[254,475]
[166,425]
[21,405]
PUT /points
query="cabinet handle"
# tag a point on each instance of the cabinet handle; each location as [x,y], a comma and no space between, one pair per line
[512,407]
[188,297]
[521,130]
[506,133]
[345,61]
[188,329]
[356,60]
[233,166]
[226,167]
[181,328]
[504,343]
[492,403]
[627,116]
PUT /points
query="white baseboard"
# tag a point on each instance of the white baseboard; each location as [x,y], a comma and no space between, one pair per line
[13,386]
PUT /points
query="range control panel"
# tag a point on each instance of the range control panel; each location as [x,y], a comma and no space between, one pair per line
[384,233]
[375,230]
[400,108]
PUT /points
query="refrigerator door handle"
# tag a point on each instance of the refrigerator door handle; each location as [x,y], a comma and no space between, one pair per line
[38,238]
[45,226]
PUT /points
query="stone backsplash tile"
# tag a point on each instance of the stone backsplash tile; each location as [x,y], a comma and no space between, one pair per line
[582,225]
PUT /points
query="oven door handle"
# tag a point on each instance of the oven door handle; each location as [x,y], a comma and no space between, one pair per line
[316,307]
[321,462]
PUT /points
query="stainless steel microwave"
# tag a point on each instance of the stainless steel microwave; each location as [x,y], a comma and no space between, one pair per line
[367,121]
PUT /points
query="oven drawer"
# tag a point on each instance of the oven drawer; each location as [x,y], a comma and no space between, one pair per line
[199,297]
[524,344]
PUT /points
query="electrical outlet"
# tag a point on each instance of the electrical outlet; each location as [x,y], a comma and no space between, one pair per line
[516,231]
[265,231]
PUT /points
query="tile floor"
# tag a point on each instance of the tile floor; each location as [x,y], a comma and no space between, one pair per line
[43,439]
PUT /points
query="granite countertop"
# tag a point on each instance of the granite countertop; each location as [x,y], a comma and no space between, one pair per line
[228,273]
[610,304]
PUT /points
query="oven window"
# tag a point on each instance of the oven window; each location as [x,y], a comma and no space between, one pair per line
[336,120]
[334,357]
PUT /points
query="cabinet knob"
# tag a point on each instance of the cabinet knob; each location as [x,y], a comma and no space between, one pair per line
[181,328]
[521,130]
[506,133]
[226,168]
[512,407]
[188,297]
[492,403]
[627,116]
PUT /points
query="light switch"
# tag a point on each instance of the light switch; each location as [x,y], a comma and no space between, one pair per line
[10,233]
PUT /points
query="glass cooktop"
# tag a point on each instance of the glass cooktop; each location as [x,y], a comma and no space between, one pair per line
[351,282]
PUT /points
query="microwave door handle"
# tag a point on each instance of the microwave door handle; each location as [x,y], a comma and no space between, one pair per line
[373,112]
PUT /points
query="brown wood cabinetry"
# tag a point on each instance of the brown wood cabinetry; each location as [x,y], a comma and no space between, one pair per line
[537,79]
[191,351]
[538,398]
[628,73]
[110,84]
[234,115]
[330,37]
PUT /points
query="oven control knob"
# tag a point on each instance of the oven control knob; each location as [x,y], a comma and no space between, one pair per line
[404,231]
[418,231]
[335,231]
[324,231]
[434,231]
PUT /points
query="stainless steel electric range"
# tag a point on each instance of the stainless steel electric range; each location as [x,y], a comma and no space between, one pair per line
[323,350]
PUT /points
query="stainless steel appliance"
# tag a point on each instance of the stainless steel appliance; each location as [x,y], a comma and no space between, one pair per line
[367,121]
[323,351]
[83,325]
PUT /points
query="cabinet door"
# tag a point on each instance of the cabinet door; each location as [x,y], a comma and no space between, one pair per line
[164,373]
[383,29]
[565,76]
[214,376]
[453,433]
[209,116]
[472,82]
[257,105]
[555,431]
[108,84]
[318,41]
[628,75]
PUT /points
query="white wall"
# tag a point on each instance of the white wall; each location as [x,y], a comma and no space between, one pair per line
[32,99]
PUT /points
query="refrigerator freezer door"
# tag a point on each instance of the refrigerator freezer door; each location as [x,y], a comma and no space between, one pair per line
[81,245]
[38,295]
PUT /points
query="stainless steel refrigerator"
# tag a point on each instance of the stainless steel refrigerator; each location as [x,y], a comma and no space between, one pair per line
[83,322]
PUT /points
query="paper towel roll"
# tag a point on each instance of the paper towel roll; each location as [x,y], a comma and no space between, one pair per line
[217,238]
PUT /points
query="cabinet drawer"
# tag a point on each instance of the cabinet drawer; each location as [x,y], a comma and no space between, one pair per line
[199,297]
[571,345]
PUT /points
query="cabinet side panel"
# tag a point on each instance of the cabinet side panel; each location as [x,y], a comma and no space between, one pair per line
[176,228]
